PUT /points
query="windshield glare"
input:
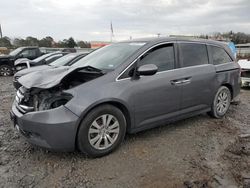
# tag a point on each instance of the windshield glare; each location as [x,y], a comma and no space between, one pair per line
[109,57]
[15,52]
[63,60]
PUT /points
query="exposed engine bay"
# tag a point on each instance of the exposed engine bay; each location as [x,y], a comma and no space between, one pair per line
[37,99]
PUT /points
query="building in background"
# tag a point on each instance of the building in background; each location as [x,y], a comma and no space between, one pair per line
[98,44]
[243,50]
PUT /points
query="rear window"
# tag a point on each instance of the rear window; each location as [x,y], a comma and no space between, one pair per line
[193,54]
[219,55]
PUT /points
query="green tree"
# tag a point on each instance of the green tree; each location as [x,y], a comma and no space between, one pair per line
[46,42]
[71,43]
[83,44]
[18,42]
[61,44]
[32,41]
[5,42]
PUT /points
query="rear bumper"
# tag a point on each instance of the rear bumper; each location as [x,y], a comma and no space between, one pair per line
[52,129]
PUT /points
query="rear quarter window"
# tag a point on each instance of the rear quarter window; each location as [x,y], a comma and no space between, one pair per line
[219,55]
[193,54]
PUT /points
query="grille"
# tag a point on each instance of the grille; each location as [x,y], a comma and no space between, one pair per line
[19,100]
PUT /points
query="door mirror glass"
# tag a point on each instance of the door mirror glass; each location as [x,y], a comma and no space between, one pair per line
[147,70]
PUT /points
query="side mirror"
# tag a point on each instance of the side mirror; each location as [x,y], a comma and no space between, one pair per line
[147,70]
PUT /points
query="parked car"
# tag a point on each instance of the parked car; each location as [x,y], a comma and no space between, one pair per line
[50,50]
[122,88]
[66,60]
[42,60]
[245,72]
[7,62]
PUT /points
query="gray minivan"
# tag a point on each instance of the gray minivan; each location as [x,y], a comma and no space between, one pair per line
[122,88]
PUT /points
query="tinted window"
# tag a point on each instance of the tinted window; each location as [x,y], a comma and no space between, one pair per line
[219,55]
[162,57]
[29,53]
[193,54]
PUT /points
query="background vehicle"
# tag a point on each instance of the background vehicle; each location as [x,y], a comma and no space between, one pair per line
[125,87]
[7,62]
[245,72]
[42,60]
[66,60]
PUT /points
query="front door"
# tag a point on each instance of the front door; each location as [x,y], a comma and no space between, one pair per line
[157,97]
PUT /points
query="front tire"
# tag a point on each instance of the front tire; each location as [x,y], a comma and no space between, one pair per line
[6,70]
[221,102]
[101,131]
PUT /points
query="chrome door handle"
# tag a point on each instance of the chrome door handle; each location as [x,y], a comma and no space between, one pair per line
[181,81]
[176,82]
[185,81]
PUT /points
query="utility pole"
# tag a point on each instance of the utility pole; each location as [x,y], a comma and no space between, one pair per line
[111,32]
[1,34]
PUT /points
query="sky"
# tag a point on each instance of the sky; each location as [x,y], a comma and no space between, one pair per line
[90,20]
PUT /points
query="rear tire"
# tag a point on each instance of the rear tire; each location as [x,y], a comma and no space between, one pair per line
[221,102]
[101,131]
[6,70]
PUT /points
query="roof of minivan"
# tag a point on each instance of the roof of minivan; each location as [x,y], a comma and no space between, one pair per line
[165,39]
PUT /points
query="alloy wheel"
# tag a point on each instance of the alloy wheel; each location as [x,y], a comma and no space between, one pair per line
[5,71]
[223,102]
[103,132]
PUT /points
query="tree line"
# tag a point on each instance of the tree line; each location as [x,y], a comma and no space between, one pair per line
[235,37]
[44,42]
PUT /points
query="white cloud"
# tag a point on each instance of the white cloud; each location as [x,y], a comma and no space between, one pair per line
[90,20]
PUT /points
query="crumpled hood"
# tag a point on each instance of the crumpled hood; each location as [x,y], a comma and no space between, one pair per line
[46,78]
[244,64]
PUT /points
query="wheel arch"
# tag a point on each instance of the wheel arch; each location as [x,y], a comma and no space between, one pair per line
[230,87]
[115,103]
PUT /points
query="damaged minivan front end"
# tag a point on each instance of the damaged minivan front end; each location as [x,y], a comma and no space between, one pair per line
[39,112]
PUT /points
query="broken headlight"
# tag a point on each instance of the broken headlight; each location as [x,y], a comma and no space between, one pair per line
[47,100]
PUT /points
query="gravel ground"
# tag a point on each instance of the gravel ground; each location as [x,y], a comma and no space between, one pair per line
[196,152]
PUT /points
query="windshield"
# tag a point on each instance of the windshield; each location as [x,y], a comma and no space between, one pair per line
[63,60]
[15,52]
[41,58]
[109,57]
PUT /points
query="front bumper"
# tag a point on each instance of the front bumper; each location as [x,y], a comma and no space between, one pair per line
[53,129]
[245,81]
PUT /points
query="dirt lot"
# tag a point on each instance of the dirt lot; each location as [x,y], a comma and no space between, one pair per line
[197,152]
